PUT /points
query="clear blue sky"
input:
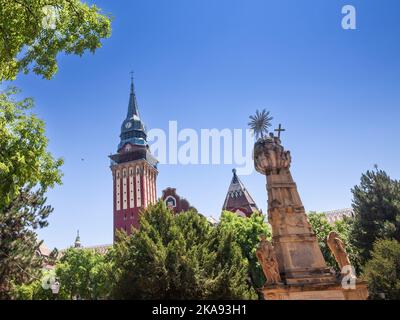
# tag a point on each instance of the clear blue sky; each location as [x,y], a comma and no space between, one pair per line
[210,64]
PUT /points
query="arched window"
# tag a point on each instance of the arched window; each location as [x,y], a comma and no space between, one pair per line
[170,202]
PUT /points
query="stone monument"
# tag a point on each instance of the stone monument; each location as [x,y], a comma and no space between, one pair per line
[294,252]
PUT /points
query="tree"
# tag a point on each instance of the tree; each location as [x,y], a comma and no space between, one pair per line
[27,170]
[24,159]
[35,289]
[382,271]
[246,233]
[376,204]
[178,257]
[33,32]
[322,228]
[83,273]
[228,269]
[19,262]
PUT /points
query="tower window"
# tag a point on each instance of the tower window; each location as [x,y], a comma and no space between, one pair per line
[170,202]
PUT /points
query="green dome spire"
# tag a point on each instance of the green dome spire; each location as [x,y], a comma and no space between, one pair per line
[133,130]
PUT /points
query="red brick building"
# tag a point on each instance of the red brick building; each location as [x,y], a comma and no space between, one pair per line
[134,170]
[238,199]
[176,203]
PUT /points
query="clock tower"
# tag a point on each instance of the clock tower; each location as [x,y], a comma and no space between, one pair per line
[134,170]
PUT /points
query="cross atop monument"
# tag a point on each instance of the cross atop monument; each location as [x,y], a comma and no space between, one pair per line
[279,130]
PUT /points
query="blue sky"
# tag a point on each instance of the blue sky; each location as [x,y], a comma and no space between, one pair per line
[210,64]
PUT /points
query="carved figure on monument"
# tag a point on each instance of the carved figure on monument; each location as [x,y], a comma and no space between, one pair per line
[337,247]
[267,258]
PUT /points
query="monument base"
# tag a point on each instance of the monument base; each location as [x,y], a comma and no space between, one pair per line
[332,291]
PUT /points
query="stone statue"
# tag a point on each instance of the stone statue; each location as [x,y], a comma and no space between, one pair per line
[337,247]
[266,257]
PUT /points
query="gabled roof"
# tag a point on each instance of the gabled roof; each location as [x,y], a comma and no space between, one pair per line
[238,199]
[44,250]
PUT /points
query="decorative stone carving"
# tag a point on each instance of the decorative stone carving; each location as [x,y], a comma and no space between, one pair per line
[338,249]
[267,258]
[270,156]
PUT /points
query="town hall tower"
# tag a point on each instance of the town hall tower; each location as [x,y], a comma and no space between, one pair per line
[134,170]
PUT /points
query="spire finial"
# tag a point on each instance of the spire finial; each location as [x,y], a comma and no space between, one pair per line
[132,84]
[133,107]
[235,178]
[77,240]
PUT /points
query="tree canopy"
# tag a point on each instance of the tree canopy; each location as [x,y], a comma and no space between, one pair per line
[179,257]
[382,271]
[376,204]
[246,233]
[33,32]
[322,228]
[84,273]
[27,170]
[24,159]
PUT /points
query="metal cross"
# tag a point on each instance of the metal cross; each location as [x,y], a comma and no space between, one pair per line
[279,130]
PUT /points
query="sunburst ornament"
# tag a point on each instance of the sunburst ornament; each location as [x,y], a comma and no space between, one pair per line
[260,123]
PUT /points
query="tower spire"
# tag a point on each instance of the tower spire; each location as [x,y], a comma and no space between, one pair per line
[132,84]
[238,199]
[77,243]
[133,109]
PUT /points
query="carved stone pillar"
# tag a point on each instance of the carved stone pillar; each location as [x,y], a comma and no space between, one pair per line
[301,263]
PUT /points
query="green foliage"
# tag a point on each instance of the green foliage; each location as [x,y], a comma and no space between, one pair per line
[19,262]
[246,232]
[24,159]
[27,170]
[227,268]
[382,272]
[178,257]
[322,228]
[33,32]
[84,273]
[34,290]
[376,206]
